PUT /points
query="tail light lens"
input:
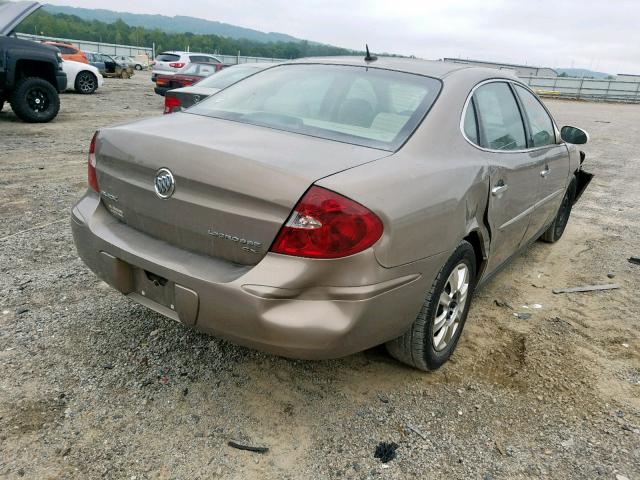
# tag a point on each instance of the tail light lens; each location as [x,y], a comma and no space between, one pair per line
[172,104]
[177,65]
[325,224]
[92,178]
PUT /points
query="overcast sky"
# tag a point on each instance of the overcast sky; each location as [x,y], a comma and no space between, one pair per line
[595,34]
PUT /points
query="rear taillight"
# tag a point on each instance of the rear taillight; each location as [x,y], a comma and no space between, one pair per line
[325,224]
[177,65]
[92,178]
[172,104]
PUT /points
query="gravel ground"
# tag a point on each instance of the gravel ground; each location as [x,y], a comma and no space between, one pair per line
[95,386]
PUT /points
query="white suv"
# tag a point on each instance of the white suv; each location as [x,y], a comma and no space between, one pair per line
[167,63]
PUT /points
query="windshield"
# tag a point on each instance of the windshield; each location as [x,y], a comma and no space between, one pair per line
[228,76]
[359,105]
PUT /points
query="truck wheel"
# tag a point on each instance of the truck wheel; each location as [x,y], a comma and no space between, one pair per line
[35,100]
[435,332]
[86,83]
[556,229]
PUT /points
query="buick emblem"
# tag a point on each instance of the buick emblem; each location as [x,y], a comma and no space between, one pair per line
[164,183]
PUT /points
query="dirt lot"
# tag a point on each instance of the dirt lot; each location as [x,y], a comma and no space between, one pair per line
[93,385]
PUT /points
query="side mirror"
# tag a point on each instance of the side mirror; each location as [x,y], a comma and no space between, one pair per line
[574,135]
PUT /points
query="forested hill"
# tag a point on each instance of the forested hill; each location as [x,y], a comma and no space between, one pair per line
[74,27]
[177,24]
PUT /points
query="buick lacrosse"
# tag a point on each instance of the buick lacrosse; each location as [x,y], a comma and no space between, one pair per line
[325,206]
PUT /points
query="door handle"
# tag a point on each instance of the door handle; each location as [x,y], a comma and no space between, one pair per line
[499,189]
[545,172]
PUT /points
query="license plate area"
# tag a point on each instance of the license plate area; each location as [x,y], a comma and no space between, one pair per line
[154,287]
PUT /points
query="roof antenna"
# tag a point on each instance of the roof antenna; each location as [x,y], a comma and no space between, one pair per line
[368,57]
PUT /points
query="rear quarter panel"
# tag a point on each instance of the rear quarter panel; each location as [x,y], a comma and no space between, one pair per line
[432,192]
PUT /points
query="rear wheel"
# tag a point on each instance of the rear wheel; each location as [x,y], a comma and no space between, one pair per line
[434,334]
[35,100]
[557,227]
[138,66]
[86,83]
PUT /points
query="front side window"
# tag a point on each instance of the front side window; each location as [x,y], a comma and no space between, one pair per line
[542,131]
[363,106]
[500,117]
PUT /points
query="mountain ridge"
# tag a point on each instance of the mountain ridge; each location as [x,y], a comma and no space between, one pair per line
[173,24]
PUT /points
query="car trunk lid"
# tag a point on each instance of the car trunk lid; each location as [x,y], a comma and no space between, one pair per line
[189,96]
[235,184]
[12,13]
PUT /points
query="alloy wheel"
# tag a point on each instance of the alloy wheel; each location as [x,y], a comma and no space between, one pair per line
[87,83]
[451,305]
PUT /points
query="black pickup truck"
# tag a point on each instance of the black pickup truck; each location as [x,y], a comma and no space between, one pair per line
[30,73]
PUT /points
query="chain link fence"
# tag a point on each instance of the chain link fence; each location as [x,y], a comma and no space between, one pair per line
[610,90]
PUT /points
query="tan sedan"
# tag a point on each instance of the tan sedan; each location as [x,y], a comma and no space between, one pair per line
[325,206]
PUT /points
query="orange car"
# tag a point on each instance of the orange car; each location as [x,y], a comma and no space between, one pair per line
[69,52]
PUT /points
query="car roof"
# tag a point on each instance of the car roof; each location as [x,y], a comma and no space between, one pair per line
[177,52]
[430,68]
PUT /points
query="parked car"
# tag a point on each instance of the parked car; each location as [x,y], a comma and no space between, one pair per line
[325,206]
[168,63]
[180,98]
[186,76]
[69,51]
[130,62]
[31,74]
[109,66]
[82,77]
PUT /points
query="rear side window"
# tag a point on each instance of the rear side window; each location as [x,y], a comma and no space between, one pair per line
[66,50]
[167,57]
[471,124]
[202,59]
[500,117]
[542,131]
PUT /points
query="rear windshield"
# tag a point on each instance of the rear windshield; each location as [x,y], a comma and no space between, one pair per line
[167,57]
[228,76]
[359,105]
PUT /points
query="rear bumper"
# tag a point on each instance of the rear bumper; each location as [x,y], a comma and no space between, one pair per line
[289,306]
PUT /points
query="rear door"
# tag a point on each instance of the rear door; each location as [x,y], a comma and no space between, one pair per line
[514,173]
[553,157]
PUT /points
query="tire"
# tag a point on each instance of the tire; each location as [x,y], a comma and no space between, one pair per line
[86,83]
[426,346]
[138,66]
[35,100]
[557,227]
[1,104]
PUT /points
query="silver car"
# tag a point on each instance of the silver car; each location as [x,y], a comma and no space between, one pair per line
[167,63]
[325,206]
